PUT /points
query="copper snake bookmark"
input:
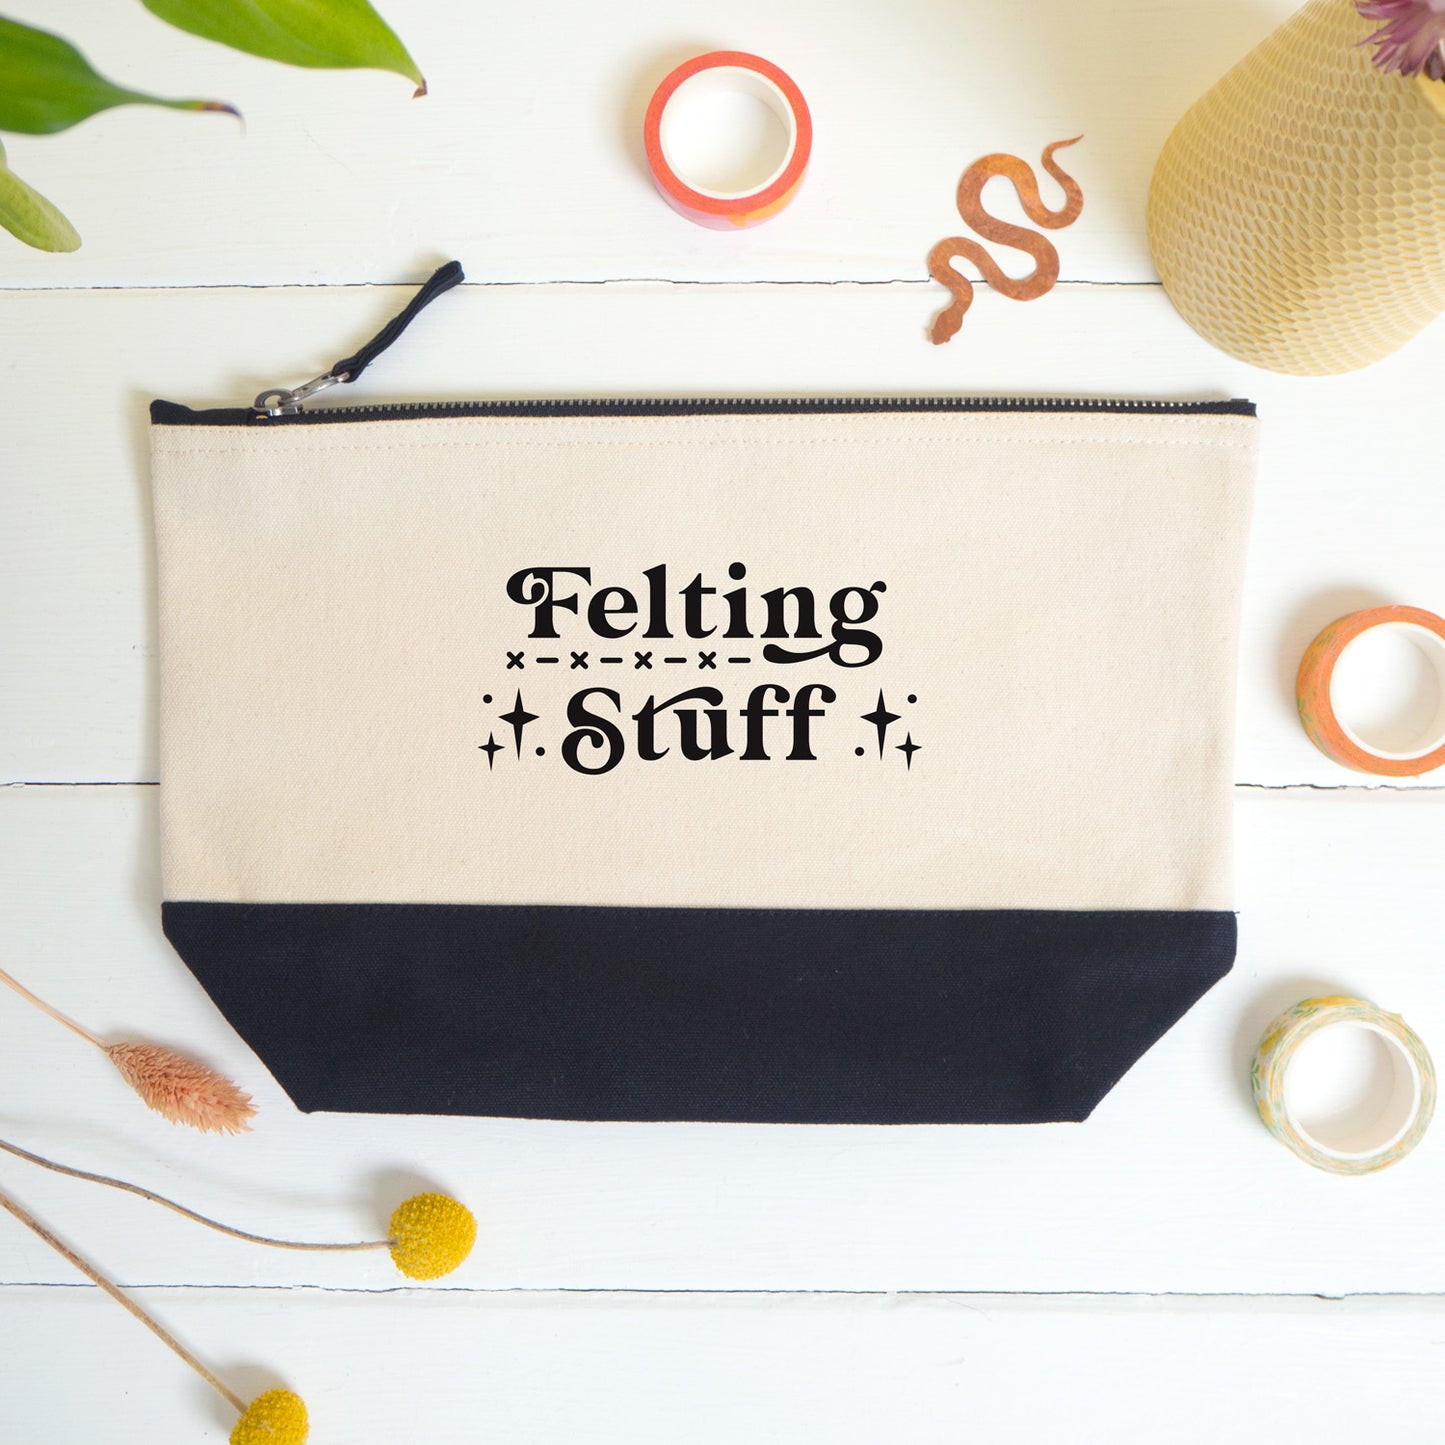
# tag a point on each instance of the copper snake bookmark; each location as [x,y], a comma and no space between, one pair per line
[970,207]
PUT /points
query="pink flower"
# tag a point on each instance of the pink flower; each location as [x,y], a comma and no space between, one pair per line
[1412,39]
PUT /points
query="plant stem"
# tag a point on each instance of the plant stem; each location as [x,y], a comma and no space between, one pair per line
[54,1013]
[93,1274]
[160,1199]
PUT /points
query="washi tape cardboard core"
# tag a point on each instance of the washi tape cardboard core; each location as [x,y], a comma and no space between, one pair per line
[1352,1090]
[1358,660]
[1304,1056]
[728,136]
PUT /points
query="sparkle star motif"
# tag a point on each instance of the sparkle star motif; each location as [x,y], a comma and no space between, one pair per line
[491,748]
[881,718]
[908,747]
[518,719]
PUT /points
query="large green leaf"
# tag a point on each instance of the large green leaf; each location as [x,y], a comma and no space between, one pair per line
[46,84]
[29,217]
[323,34]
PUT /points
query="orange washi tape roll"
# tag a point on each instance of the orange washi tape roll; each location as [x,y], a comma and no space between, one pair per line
[708,75]
[1314,692]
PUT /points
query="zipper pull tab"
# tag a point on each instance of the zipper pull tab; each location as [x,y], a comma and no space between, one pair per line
[284,401]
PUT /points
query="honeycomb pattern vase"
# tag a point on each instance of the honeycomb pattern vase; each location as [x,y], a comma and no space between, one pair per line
[1297,212]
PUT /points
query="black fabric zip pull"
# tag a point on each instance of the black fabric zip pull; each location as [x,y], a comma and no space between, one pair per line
[284,401]
[442,279]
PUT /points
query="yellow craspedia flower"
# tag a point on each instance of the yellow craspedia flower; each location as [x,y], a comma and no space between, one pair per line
[276,1418]
[431,1235]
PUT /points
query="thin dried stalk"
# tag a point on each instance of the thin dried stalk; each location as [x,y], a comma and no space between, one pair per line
[160,1199]
[54,1013]
[93,1274]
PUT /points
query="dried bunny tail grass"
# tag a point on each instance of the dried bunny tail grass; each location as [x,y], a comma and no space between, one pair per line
[184,1091]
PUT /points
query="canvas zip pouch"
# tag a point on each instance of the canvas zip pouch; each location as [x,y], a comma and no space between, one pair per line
[831,761]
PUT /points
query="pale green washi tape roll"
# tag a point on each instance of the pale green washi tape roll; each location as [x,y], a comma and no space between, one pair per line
[1396,1136]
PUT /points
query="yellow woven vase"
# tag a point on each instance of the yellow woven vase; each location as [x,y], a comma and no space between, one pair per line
[1297,212]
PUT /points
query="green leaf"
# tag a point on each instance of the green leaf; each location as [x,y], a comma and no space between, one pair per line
[322,34]
[29,217]
[47,85]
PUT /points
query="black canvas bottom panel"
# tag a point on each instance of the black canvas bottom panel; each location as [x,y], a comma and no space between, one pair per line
[744,1015]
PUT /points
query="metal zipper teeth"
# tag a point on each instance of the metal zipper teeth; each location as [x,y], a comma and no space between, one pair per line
[725,406]
[165,413]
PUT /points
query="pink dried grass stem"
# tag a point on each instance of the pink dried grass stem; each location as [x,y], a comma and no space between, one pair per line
[45,1008]
[178,1087]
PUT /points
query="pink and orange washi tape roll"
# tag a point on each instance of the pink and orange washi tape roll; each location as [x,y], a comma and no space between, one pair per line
[1315,693]
[707,75]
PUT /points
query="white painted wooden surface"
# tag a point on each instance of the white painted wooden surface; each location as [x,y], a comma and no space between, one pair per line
[527,154]
[524,162]
[719,1369]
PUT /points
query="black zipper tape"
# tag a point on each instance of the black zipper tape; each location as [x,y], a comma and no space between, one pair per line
[169,413]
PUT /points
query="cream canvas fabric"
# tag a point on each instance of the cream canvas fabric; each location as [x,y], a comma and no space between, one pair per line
[1060,599]
[949,664]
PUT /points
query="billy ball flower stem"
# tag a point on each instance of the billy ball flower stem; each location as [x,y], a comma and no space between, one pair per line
[428,1235]
[172,1204]
[277,1417]
[179,1088]
[96,1277]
